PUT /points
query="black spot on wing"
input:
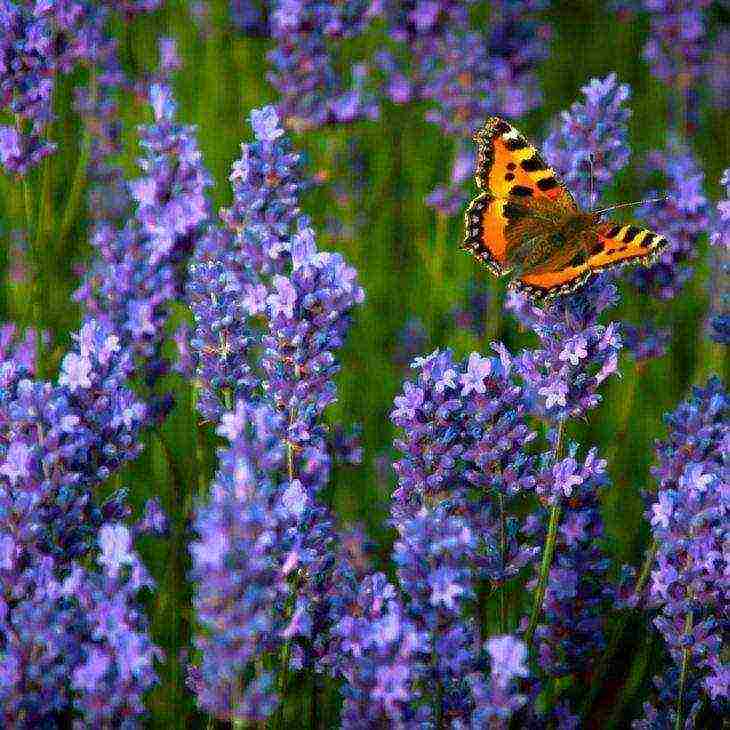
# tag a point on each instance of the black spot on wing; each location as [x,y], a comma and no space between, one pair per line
[509,177]
[521,191]
[512,211]
[533,164]
[515,143]
[613,232]
[511,166]
[650,239]
[631,233]
[547,183]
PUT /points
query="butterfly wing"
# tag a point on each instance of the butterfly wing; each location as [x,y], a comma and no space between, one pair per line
[518,188]
[607,246]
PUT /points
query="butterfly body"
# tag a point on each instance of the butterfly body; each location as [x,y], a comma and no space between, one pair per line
[526,224]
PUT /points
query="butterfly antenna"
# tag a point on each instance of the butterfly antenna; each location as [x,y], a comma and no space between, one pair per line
[628,205]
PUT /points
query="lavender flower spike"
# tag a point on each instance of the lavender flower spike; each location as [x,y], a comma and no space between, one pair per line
[720,291]
[595,129]
[138,271]
[689,517]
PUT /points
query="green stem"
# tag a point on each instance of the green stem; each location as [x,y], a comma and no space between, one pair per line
[314,706]
[77,187]
[646,569]
[547,560]
[683,675]
[549,549]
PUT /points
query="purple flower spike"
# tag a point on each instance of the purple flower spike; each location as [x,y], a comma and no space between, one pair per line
[720,282]
[303,70]
[596,129]
[576,353]
[689,517]
[682,218]
[578,592]
[138,271]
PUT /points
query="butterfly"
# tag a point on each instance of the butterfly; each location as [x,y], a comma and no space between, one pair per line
[525,223]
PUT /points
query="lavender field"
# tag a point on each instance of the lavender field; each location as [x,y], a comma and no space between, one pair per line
[275,452]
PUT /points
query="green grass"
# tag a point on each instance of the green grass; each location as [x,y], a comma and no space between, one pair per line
[409,264]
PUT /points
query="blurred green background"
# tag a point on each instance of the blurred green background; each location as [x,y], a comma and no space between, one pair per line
[376,176]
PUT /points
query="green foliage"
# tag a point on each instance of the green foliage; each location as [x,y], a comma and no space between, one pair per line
[409,264]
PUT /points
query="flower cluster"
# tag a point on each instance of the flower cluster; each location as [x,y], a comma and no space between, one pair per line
[464,428]
[41,40]
[720,292]
[302,69]
[577,592]
[139,268]
[576,353]
[270,313]
[676,46]
[380,651]
[683,218]
[689,518]
[57,444]
[592,138]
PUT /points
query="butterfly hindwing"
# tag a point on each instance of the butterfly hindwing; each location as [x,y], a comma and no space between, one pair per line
[607,246]
[510,167]
[485,232]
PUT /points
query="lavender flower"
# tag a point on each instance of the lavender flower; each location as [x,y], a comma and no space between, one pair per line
[577,592]
[57,444]
[689,519]
[718,69]
[381,650]
[497,700]
[464,426]
[41,41]
[270,312]
[250,17]
[576,353]
[720,282]
[138,271]
[682,218]
[597,130]
[677,40]
[302,70]
[436,558]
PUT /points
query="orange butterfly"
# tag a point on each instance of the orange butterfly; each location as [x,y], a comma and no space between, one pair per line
[526,223]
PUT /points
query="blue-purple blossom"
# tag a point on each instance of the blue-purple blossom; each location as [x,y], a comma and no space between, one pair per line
[41,41]
[683,218]
[576,353]
[578,590]
[139,269]
[720,278]
[593,133]
[689,583]
[381,652]
[313,91]
[270,313]
[71,632]
[677,41]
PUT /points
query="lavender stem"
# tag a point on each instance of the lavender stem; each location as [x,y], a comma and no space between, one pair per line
[683,676]
[549,550]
